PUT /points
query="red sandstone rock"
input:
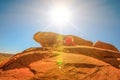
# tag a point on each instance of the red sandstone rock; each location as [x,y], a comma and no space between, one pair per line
[104,45]
[82,62]
[50,39]
[86,63]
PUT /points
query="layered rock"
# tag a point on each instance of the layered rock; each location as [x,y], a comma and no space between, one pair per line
[4,56]
[80,41]
[103,45]
[50,39]
[80,62]
[48,64]
[18,67]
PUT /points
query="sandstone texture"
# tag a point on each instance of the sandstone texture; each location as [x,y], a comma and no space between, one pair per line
[50,39]
[103,45]
[80,62]
[72,63]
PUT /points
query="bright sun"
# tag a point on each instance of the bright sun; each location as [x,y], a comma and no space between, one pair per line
[60,15]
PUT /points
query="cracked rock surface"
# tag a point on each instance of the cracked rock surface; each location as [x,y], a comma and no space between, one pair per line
[51,64]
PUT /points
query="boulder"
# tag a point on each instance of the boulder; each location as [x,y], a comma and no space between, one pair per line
[50,39]
[46,39]
[103,45]
[80,41]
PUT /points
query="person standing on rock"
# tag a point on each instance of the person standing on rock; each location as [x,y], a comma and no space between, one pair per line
[69,41]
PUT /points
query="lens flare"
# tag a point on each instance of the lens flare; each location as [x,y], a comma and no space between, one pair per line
[60,15]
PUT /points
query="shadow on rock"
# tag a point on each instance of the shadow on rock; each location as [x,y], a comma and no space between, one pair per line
[24,60]
[82,65]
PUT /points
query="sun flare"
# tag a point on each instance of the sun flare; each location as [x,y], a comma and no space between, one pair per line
[60,15]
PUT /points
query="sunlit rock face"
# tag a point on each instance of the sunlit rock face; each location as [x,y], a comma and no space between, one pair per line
[19,67]
[50,39]
[80,41]
[103,45]
[46,39]
[81,62]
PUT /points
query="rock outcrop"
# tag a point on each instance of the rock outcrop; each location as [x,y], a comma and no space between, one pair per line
[80,62]
[80,41]
[72,63]
[103,45]
[18,67]
[4,56]
[50,39]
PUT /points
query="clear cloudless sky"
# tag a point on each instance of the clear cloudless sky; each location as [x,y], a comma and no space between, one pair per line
[91,19]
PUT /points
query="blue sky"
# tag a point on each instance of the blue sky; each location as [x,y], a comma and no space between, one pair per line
[21,19]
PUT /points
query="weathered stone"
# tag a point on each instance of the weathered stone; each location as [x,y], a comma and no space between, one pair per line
[83,61]
[79,63]
[103,45]
[80,41]
[50,39]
